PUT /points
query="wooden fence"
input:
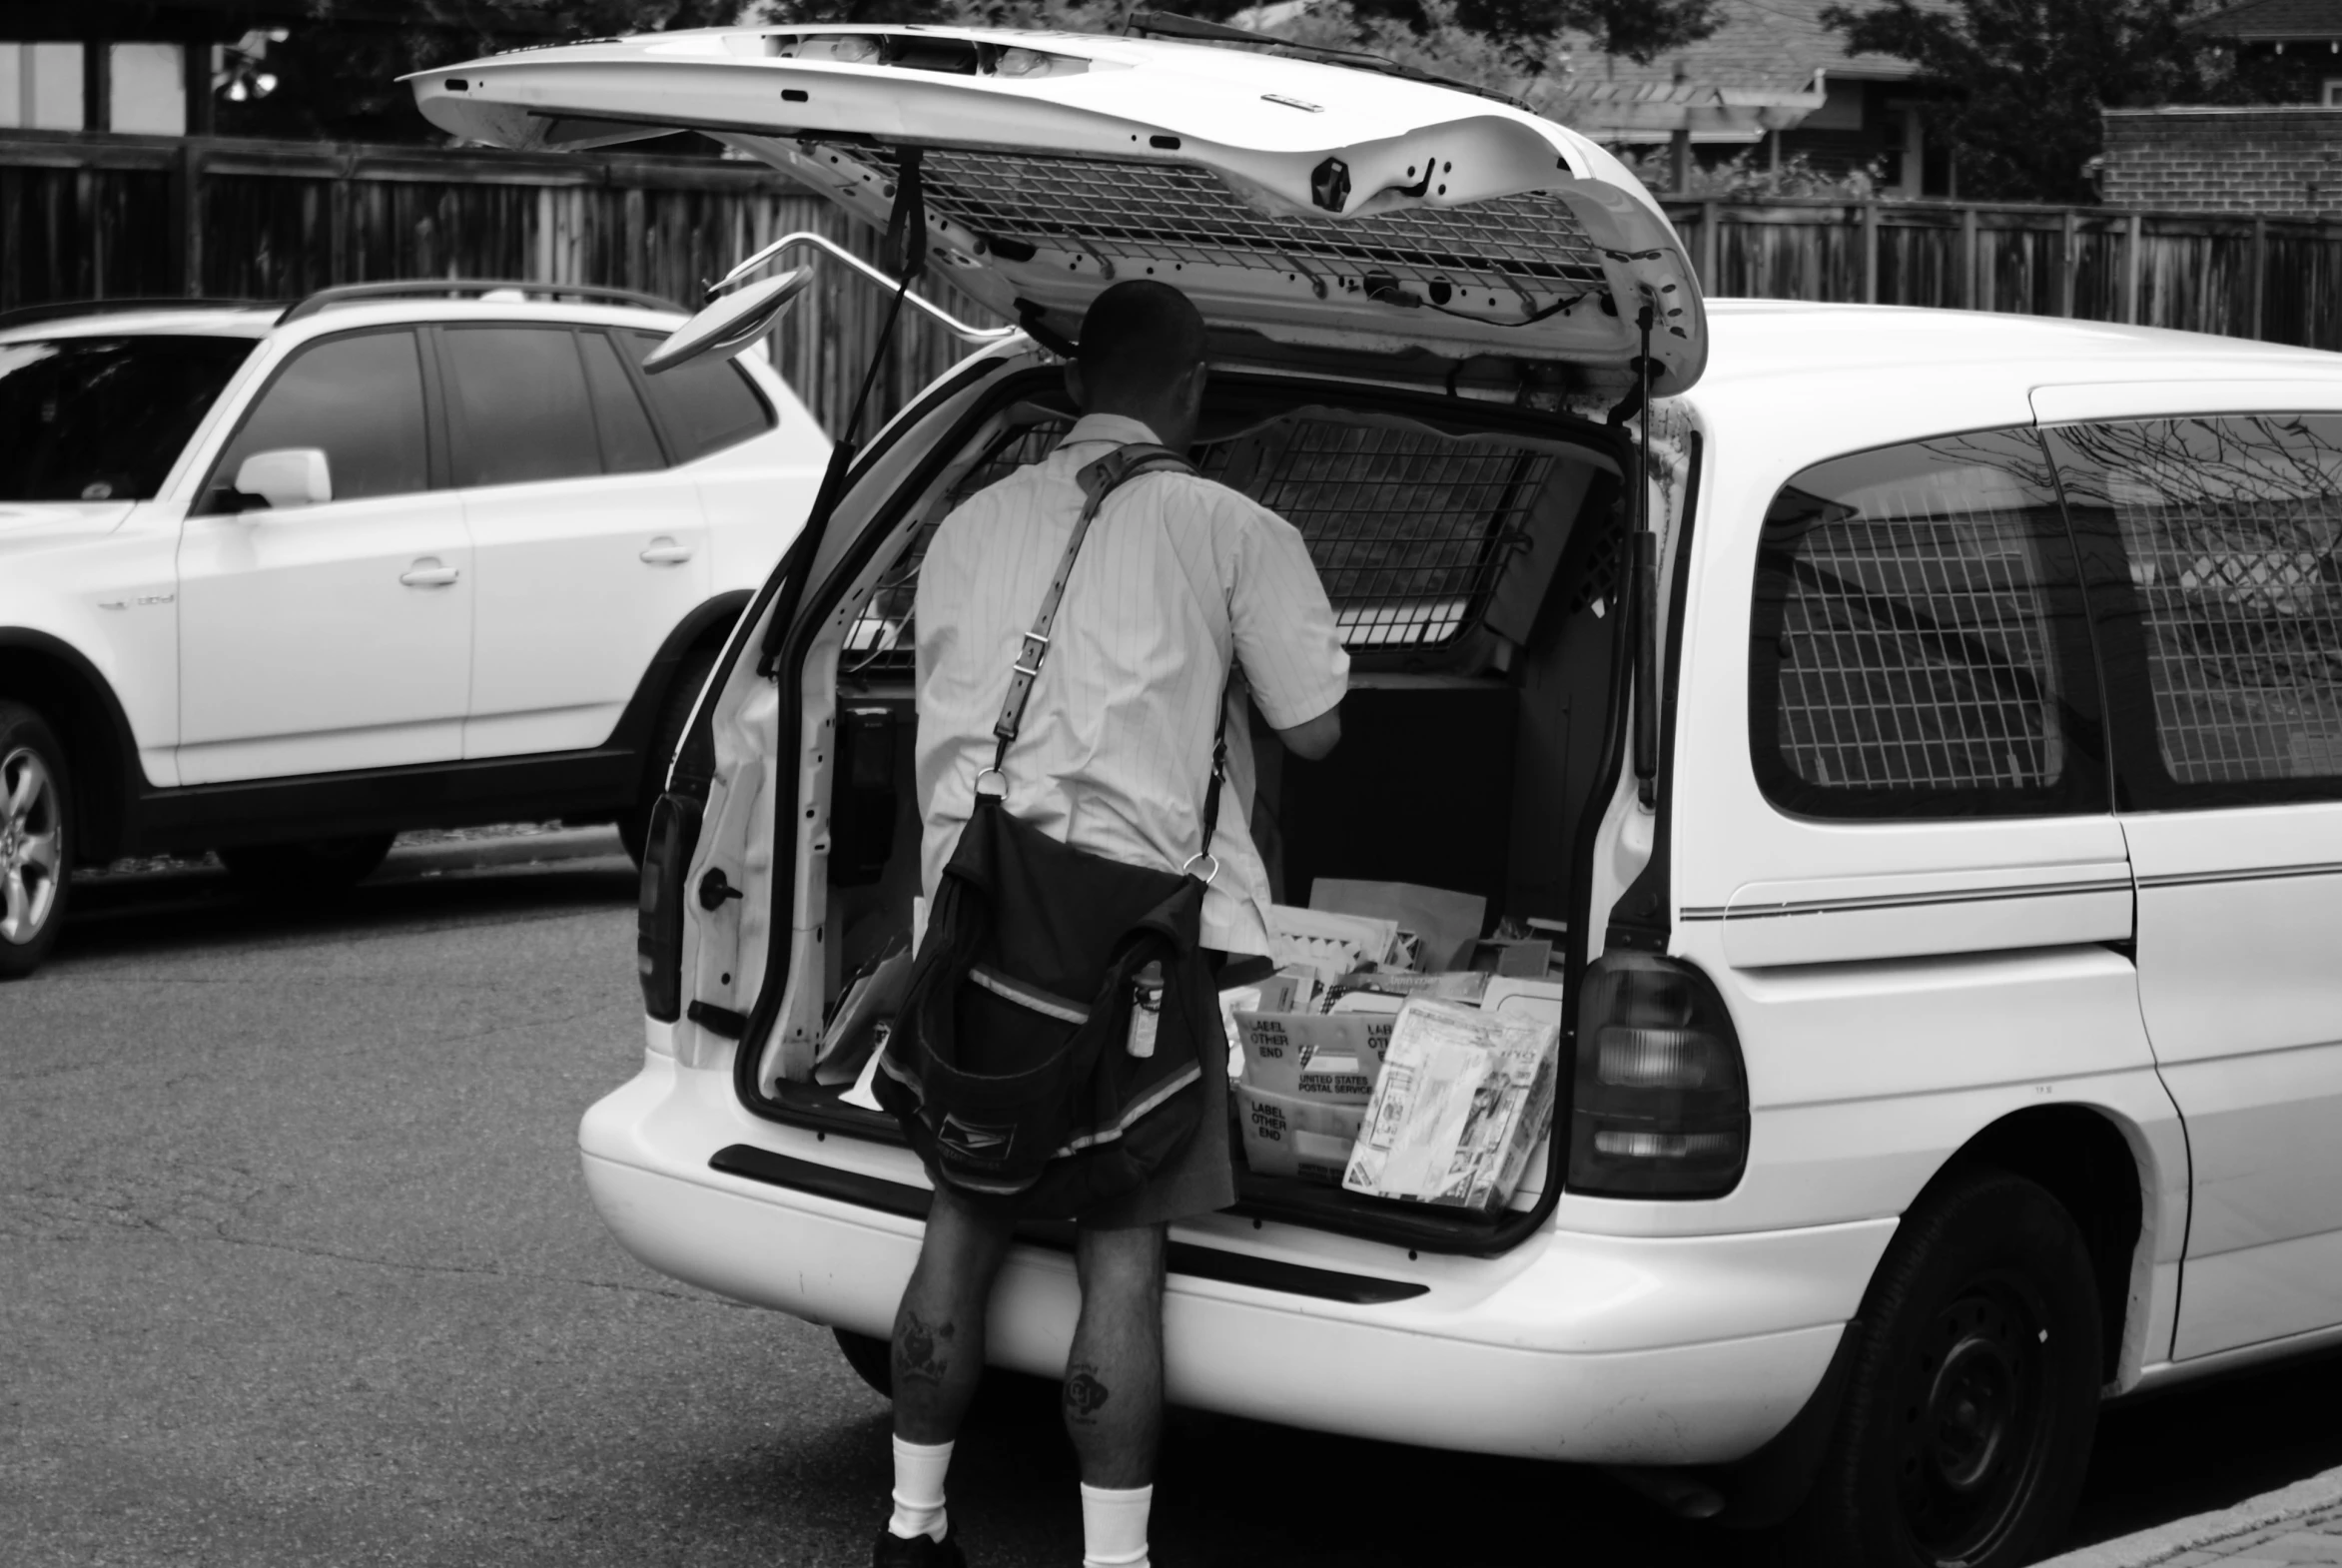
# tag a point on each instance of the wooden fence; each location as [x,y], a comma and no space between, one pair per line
[84,216]
[2277,278]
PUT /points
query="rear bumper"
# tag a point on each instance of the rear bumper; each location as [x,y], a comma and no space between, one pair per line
[1582,1347]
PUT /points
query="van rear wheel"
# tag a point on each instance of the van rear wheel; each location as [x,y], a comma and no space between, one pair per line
[1968,1421]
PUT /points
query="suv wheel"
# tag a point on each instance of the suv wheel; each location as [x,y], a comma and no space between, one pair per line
[1968,1419]
[314,869]
[34,851]
[665,735]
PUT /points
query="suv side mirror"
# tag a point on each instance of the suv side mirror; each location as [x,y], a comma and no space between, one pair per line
[289,476]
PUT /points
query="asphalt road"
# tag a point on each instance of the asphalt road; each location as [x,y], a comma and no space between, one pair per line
[295,1267]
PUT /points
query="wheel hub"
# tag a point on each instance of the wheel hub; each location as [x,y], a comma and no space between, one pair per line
[1969,1407]
[30,862]
[1972,1444]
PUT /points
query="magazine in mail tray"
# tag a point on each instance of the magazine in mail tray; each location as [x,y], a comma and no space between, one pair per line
[1465,1096]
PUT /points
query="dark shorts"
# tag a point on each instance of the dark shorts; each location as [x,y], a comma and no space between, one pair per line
[1198,1180]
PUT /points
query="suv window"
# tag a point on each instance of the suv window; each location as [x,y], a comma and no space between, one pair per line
[103,418]
[521,404]
[1914,627]
[358,398]
[2222,599]
[706,404]
[629,445]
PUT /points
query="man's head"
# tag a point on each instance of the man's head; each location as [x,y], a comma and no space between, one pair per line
[1141,357]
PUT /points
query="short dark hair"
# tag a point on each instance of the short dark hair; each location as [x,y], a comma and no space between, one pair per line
[1137,336]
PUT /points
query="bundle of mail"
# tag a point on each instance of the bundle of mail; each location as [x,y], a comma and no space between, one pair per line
[1396,1051]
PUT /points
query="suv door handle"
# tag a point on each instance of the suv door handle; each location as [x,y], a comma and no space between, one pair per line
[430,572]
[664,551]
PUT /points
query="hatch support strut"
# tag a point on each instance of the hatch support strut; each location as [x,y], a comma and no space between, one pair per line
[905,254]
[1644,579]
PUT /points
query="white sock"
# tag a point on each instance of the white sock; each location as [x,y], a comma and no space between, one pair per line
[1113,1526]
[919,1489]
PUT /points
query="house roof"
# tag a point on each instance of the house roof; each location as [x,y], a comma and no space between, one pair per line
[1765,68]
[2265,21]
[1776,45]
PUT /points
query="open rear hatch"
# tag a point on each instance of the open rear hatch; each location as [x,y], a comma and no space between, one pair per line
[1309,203]
[1356,241]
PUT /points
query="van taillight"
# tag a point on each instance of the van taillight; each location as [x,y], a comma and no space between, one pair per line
[658,922]
[1661,1104]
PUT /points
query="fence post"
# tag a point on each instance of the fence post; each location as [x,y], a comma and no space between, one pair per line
[1711,245]
[2260,274]
[187,212]
[1870,253]
[2131,267]
[1971,296]
[2068,261]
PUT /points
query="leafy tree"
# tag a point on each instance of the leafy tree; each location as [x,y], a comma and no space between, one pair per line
[337,75]
[2021,81]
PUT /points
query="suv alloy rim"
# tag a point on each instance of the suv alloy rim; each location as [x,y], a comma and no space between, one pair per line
[29,859]
[1973,1430]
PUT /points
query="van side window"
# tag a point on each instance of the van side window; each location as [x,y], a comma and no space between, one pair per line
[1917,646]
[358,399]
[521,404]
[2220,596]
[705,404]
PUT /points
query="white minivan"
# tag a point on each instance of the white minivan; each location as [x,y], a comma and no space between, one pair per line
[1939,781]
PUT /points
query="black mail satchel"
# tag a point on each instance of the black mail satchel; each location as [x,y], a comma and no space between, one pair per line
[1027,1061]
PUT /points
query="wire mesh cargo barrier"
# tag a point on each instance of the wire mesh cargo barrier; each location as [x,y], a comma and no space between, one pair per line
[2233,528]
[1409,531]
[1516,253]
[1913,641]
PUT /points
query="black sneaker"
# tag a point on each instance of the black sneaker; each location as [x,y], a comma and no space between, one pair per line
[920,1551]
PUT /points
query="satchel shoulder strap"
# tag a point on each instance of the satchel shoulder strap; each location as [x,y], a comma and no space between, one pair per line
[1098,481]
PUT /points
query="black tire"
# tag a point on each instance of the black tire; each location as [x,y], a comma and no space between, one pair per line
[873,1360]
[306,872]
[665,735]
[1968,1417]
[36,840]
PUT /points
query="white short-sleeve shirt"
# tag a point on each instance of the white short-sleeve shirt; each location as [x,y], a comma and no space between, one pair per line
[1180,577]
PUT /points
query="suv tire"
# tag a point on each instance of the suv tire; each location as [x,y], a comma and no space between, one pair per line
[313,869]
[1967,1420]
[691,673]
[36,852]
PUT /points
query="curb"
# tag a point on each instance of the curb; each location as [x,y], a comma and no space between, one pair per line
[512,849]
[2166,1541]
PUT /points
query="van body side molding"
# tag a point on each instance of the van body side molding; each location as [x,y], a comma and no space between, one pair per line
[1851,919]
[1198,1262]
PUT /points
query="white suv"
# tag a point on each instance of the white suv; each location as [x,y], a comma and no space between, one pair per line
[1942,796]
[282,580]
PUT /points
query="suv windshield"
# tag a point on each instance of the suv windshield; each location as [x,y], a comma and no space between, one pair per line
[102,418]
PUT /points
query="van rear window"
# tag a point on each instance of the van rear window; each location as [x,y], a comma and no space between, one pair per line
[1913,620]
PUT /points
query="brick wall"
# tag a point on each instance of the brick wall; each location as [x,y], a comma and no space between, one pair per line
[2284,159]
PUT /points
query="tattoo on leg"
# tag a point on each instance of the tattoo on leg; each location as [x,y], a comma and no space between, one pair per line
[1085,1395]
[922,1353]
